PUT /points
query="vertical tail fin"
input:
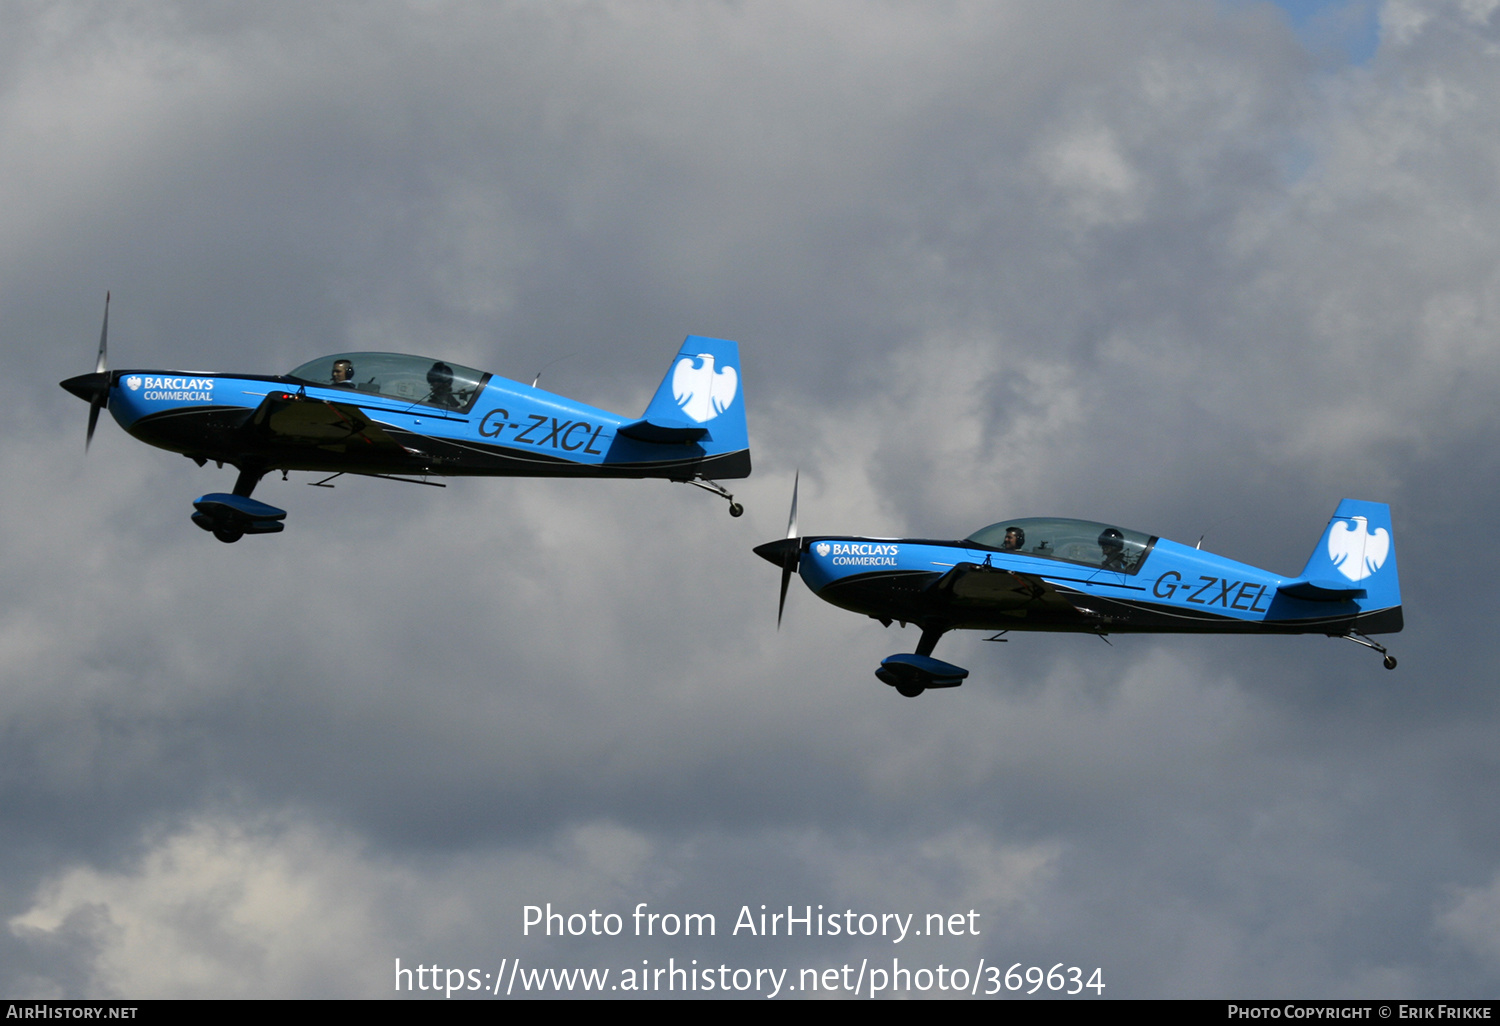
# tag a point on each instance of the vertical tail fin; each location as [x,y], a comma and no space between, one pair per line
[701,399]
[1358,549]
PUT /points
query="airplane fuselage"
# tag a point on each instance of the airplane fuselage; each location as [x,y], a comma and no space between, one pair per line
[411,417]
[505,429]
[1078,576]
[1173,589]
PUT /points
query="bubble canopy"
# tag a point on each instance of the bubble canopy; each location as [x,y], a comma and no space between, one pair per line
[400,376]
[1074,541]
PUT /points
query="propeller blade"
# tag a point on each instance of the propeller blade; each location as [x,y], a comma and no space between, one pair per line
[789,558]
[102,364]
[94,408]
[791,523]
[95,387]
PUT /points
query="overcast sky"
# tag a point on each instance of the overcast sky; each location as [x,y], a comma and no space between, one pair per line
[1192,267]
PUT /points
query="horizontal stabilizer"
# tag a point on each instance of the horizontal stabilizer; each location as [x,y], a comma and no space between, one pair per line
[1321,591]
[665,431]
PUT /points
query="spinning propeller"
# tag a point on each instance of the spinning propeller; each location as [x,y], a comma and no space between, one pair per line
[94,388]
[785,551]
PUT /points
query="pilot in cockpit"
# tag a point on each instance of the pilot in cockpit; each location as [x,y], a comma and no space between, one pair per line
[1014,539]
[440,385]
[1112,544]
[343,373]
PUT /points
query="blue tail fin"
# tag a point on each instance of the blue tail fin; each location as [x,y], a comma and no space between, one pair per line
[701,401]
[1358,551]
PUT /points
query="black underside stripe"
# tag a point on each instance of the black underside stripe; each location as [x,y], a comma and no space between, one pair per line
[220,433]
[906,595]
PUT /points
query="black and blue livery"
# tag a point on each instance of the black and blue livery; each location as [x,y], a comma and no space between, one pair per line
[1054,574]
[415,417]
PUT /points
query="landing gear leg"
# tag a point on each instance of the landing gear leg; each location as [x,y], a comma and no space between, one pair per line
[911,675]
[735,509]
[248,479]
[1389,661]
[930,636]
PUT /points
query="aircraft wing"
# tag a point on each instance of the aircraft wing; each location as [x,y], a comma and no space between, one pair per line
[974,584]
[293,419]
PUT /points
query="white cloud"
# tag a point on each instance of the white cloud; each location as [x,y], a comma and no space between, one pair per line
[225,910]
[1098,184]
[1472,918]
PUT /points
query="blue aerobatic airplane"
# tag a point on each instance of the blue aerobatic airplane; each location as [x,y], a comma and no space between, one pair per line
[412,417]
[1051,574]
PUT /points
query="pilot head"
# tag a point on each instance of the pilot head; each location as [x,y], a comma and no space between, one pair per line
[343,372]
[440,384]
[1112,541]
[1014,538]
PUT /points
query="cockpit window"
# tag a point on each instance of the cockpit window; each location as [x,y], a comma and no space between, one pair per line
[1074,541]
[412,379]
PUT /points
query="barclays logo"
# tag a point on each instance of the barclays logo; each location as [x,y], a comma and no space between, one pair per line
[703,392]
[857,553]
[133,382]
[1356,551]
[861,549]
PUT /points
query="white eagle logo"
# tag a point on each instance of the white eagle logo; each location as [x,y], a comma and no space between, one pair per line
[1357,551]
[822,548]
[701,391]
[133,382]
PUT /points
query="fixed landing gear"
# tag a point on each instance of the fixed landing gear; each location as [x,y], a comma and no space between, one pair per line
[231,516]
[1387,660]
[735,509]
[912,674]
